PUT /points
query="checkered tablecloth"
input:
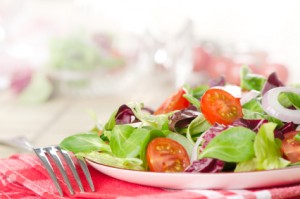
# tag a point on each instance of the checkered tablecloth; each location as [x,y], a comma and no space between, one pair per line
[23,176]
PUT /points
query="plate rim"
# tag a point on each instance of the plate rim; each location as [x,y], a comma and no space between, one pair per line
[196,173]
[205,181]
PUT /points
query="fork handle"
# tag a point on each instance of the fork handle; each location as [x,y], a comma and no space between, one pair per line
[19,142]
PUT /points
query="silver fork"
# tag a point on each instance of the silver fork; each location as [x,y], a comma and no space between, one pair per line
[55,153]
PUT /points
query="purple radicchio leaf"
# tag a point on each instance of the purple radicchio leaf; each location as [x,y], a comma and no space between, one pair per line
[216,129]
[212,132]
[208,165]
[149,110]
[183,118]
[287,127]
[220,81]
[205,165]
[254,125]
[272,82]
[125,115]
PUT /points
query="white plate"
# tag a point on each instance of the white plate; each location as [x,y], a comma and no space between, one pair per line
[242,180]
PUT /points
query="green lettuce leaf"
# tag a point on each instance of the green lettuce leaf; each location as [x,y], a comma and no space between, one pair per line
[110,124]
[288,99]
[267,151]
[160,122]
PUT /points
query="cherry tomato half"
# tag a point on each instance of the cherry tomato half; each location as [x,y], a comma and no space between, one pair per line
[218,106]
[166,155]
[175,102]
[291,147]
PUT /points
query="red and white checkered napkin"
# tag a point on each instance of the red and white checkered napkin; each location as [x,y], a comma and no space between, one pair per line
[23,176]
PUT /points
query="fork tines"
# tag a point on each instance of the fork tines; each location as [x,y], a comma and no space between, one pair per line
[53,152]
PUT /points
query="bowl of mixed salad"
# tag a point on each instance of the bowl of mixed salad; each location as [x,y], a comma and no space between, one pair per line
[213,129]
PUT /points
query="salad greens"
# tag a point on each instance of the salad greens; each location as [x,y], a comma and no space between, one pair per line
[128,142]
[289,99]
[182,140]
[87,142]
[297,137]
[267,152]
[108,159]
[196,127]
[232,145]
[250,81]
[194,94]
[249,143]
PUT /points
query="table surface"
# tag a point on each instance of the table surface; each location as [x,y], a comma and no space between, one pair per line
[48,123]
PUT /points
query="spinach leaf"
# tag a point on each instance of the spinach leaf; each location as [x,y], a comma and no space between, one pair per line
[84,142]
[232,145]
[128,142]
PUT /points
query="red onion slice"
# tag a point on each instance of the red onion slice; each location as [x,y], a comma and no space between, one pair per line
[194,155]
[272,106]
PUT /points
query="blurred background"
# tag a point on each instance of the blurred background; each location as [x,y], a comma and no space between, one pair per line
[118,51]
[97,47]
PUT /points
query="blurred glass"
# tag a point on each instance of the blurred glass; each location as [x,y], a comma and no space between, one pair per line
[91,65]
[70,42]
[169,41]
[92,48]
